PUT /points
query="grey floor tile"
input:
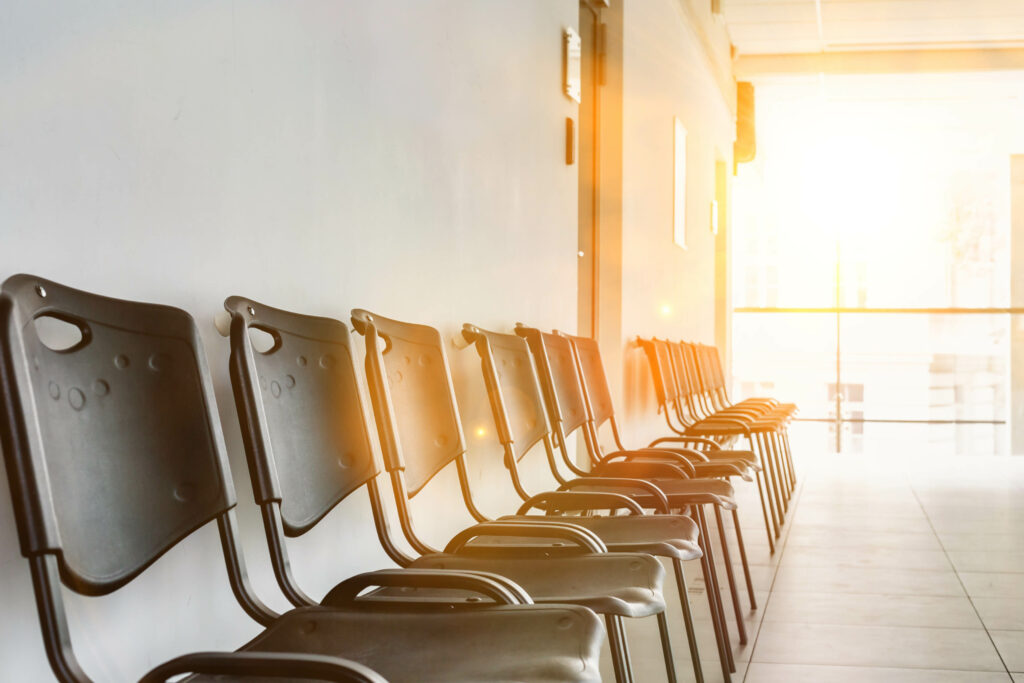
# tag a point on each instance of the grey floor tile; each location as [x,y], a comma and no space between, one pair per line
[993,585]
[868,581]
[918,525]
[802,673]
[921,648]
[1001,613]
[1011,647]
[822,537]
[872,610]
[985,541]
[866,557]
[987,561]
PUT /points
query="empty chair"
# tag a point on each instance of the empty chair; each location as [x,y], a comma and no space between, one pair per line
[308,448]
[570,410]
[712,377]
[683,391]
[520,418]
[114,455]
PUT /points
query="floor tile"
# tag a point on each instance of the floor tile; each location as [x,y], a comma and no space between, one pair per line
[987,541]
[993,585]
[819,537]
[987,561]
[1001,613]
[1011,647]
[918,525]
[870,581]
[867,557]
[872,610]
[923,648]
[1007,543]
[802,673]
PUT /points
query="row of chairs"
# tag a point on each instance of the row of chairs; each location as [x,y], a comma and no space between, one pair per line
[690,387]
[114,455]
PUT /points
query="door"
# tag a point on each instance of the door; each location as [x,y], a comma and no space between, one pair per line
[588,161]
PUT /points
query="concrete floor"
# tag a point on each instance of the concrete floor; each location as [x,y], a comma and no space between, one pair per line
[888,570]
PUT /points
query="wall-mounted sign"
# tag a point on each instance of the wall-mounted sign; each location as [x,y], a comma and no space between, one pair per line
[572,55]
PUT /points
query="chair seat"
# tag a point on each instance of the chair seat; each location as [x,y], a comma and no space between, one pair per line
[676,490]
[722,469]
[749,458]
[714,427]
[521,643]
[623,584]
[674,536]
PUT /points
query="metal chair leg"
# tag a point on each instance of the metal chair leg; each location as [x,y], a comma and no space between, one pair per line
[620,649]
[780,486]
[781,467]
[715,597]
[766,471]
[771,479]
[741,628]
[764,511]
[789,459]
[666,648]
[691,634]
[743,559]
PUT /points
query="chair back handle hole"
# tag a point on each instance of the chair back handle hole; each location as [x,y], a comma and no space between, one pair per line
[60,333]
[263,340]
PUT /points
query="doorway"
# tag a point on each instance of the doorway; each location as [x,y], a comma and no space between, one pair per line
[591,34]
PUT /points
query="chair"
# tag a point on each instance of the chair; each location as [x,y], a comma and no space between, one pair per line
[683,396]
[570,411]
[114,455]
[709,367]
[308,447]
[520,418]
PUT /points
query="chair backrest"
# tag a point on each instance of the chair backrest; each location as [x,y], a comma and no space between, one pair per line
[713,363]
[559,378]
[512,387]
[698,379]
[595,383]
[414,398]
[300,410]
[113,449]
[660,361]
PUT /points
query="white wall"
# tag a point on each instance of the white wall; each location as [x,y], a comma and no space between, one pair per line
[670,51]
[402,156]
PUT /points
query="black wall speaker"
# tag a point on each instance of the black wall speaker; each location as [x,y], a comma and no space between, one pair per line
[745,147]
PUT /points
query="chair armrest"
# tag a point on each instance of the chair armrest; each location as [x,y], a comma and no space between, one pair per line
[542,528]
[346,592]
[683,456]
[265,664]
[578,501]
[699,440]
[686,439]
[620,482]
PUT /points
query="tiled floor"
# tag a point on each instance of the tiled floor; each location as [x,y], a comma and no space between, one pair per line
[887,571]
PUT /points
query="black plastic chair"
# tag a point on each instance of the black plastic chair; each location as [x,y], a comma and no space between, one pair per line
[114,455]
[520,418]
[708,367]
[571,411]
[681,394]
[421,434]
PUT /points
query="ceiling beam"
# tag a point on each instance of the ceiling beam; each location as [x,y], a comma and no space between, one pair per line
[881,62]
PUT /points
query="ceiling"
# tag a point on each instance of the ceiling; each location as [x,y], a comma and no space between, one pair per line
[764,27]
